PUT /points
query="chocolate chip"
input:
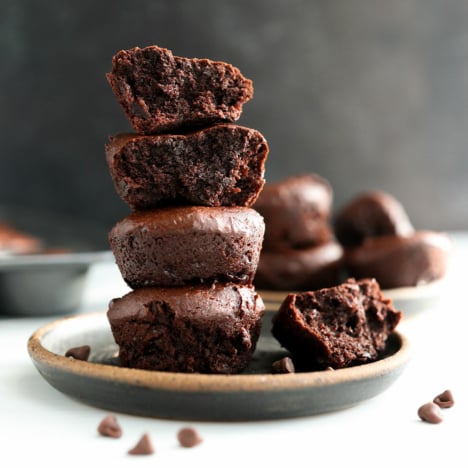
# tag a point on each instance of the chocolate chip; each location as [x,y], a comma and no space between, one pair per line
[109,427]
[445,399]
[283,366]
[430,412]
[79,352]
[143,446]
[189,437]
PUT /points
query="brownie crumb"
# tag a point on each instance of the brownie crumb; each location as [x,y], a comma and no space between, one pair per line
[109,427]
[143,447]
[79,352]
[189,437]
[430,413]
[444,399]
[283,366]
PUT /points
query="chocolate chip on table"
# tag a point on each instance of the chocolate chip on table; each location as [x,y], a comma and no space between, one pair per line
[79,352]
[189,437]
[431,413]
[143,446]
[109,427]
[283,366]
[444,399]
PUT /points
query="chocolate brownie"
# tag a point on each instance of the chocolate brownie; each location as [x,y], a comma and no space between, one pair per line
[300,270]
[336,327]
[371,214]
[186,245]
[161,92]
[204,328]
[220,165]
[296,211]
[400,261]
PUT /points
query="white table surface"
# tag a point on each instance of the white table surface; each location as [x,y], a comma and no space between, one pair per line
[39,425]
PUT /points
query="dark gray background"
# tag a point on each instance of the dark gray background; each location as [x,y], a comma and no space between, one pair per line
[368,94]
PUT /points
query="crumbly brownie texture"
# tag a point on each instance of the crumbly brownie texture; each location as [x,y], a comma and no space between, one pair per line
[187,245]
[371,214]
[336,327]
[300,270]
[400,261]
[160,92]
[206,329]
[220,165]
[296,212]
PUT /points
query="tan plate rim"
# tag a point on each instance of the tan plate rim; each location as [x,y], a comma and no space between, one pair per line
[43,358]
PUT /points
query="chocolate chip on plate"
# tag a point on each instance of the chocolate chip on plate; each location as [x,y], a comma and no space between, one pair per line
[79,352]
[109,427]
[431,413]
[143,446]
[283,366]
[444,399]
[189,437]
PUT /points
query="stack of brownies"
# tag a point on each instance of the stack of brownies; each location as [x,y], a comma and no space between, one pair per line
[190,248]
[299,250]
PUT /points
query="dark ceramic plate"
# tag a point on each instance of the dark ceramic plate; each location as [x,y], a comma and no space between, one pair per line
[410,300]
[255,394]
[49,283]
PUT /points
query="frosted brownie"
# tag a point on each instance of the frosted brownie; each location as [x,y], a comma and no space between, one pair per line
[188,245]
[205,328]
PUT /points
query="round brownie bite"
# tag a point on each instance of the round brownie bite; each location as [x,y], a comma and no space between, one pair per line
[337,327]
[188,245]
[296,211]
[222,165]
[299,270]
[371,214]
[161,92]
[205,328]
[400,261]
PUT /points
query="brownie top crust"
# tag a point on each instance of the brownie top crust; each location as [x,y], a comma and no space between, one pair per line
[296,211]
[191,219]
[161,92]
[371,214]
[214,303]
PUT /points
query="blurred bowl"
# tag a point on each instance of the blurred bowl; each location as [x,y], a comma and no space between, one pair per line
[50,282]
